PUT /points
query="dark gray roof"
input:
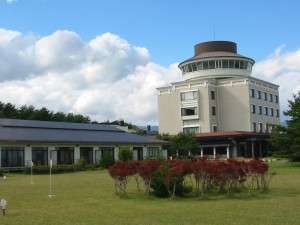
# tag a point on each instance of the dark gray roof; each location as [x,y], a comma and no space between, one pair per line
[27,131]
[207,55]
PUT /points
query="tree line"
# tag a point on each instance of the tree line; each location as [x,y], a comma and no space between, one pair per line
[25,112]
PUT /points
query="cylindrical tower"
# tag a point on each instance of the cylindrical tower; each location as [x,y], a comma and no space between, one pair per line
[216,59]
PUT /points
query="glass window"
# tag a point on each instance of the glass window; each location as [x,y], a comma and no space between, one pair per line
[236,64]
[242,64]
[224,63]
[65,155]
[253,109]
[213,110]
[212,95]
[266,111]
[211,64]
[107,153]
[190,130]
[260,110]
[231,63]
[252,93]
[265,96]
[276,98]
[272,112]
[259,94]
[194,67]
[205,65]
[260,127]
[12,157]
[40,155]
[189,111]
[200,65]
[277,112]
[190,68]
[249,66]
[215,128]
[218,64]
[271,98]
[153,152]
[254,127]
[191,95]
[86,153]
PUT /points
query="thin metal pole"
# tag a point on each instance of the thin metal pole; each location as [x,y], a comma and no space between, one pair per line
[31,172]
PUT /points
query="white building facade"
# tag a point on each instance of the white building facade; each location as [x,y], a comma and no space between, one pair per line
[218,93]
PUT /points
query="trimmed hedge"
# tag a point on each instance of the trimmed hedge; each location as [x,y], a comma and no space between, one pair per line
[60,168]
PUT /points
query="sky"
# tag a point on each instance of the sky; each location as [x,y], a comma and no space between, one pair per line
[105,58]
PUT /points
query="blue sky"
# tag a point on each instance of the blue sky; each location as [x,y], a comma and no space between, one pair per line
[105,59]
[168,29]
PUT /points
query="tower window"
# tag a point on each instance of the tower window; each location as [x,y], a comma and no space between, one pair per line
[259,94]
[213,110]
[266,111]
[191,95]
[265,96]
[215,128]
[212,95]
[189,111]
[271,98]
[260,127]
[253,109]
[277,112]
[252,93]
[225,64]
[272,112]
[254,127]
[190,130]
[260,110]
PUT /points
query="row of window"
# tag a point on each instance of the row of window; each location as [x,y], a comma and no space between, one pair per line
[14,156]
[259,127]
[264,111]
[264,95]
[216,64]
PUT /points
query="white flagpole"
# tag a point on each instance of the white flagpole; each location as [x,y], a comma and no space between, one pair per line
[31,172]
[50,181]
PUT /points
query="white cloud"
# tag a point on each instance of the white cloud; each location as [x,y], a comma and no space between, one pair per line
[10,1]
[282,68]
[106,78]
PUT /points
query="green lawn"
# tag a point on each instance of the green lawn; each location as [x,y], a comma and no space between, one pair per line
[88,198]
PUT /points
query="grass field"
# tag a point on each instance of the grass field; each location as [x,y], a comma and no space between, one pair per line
[88,198]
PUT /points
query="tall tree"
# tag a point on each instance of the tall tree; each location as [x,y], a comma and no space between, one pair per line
[286,140]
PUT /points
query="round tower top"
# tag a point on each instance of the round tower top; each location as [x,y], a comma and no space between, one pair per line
[215,46]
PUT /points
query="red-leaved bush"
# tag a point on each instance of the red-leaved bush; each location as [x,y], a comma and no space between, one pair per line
[225,176]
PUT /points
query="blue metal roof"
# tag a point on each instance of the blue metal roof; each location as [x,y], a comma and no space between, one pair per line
[28,131]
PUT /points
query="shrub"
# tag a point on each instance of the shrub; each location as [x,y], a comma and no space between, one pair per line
[295,157]
[125,154]
[120,172]
[106,161]
[167,178]
[55,169]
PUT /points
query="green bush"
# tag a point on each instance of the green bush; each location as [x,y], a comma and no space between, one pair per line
[125,153]
[55,169]
[295,157]
[160,189]
[106,161]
